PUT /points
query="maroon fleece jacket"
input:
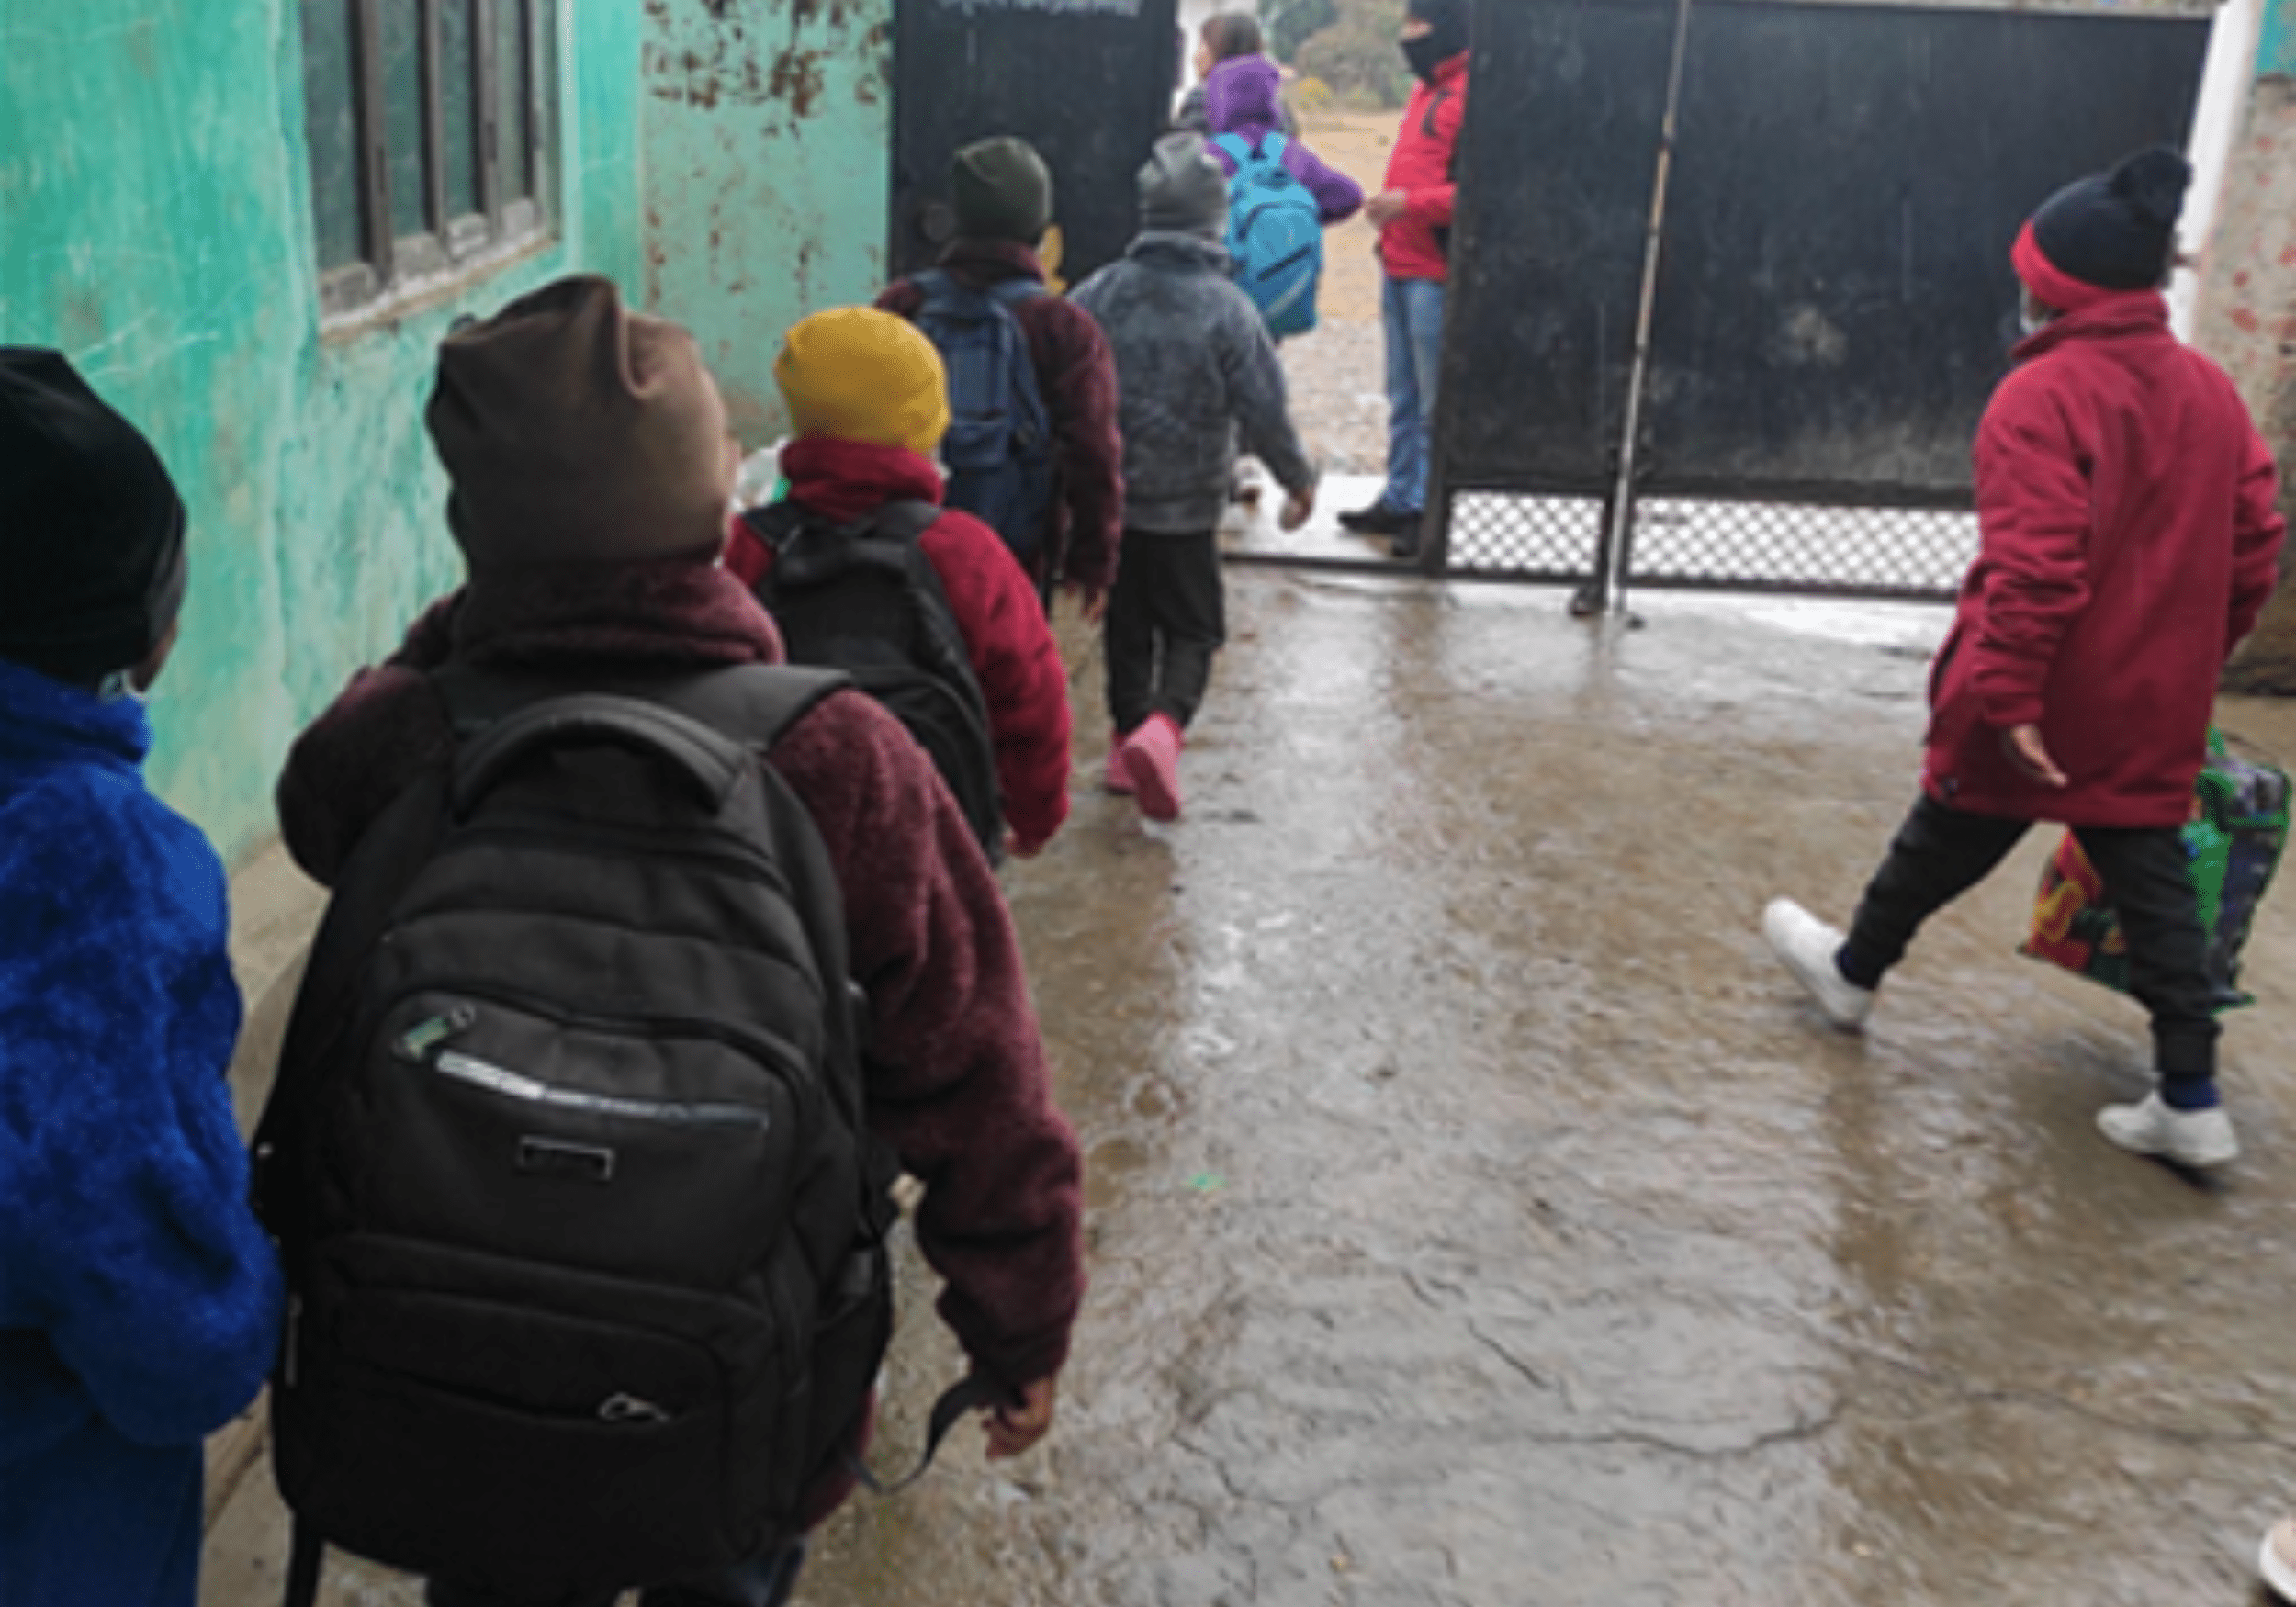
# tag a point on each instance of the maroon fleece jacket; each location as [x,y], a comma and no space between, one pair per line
[1076,375]
[2128,542]
[1014,656]
[957,1079]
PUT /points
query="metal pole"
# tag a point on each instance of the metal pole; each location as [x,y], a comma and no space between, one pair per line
[1619,535]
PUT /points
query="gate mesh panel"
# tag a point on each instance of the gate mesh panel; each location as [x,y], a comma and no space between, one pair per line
[1874,551]
[1537,538]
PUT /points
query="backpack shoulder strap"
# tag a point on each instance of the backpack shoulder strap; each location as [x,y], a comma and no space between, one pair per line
[905,521]
[1429,124]
[751,704]
[1274,147]
[755,705]
[1235,146]
[777,524]
[1010,293]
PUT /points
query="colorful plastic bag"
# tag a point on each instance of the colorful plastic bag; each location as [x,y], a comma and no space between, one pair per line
[2239,827]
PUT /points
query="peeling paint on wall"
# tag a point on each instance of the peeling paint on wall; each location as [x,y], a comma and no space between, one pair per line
[155,222]
[2248,308]
[766,129]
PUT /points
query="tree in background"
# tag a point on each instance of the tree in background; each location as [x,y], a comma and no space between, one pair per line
[1355,53]
[1290,22]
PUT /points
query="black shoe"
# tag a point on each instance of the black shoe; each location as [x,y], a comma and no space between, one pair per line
[1378,519]
[1404,549]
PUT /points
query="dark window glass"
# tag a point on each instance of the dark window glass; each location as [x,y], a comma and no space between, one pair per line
[331,109]
[458,99]
[431,126]
[403,119]
[514,98]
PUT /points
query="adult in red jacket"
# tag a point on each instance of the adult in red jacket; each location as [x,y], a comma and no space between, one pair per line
[1003,196]
[869,401]
[2129,542]
[1413,215]
[586,451]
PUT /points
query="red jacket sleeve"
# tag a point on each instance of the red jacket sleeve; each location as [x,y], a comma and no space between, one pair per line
[2258,534]
[2033,530]
[1019,665]
[387,725]
[1434,204]
[957,1083]
[1079,378]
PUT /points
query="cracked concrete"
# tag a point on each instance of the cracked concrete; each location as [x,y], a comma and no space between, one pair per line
[1477,1218]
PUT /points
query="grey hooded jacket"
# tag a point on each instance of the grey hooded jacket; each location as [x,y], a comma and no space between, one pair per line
[1194,366]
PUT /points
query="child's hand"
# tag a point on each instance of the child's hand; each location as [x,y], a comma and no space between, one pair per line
[1386,206]
[1013,1429]
[1298,508]
[1092,603]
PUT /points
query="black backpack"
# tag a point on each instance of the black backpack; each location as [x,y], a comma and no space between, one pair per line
[582,1228]
[864,599]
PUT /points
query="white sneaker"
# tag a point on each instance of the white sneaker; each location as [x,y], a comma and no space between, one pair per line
[1807,946]
[2198,1139]
[2278,1563]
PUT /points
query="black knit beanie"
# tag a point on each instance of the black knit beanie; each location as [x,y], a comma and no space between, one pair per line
[91,528]
[2116,231]
[1002,190]
[1454,25]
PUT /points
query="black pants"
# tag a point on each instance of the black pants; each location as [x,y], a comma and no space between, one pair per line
[1941,853]
[1166,619]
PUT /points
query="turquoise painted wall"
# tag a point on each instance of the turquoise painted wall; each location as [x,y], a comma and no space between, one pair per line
[768,126]
[2278,54]
[155,224]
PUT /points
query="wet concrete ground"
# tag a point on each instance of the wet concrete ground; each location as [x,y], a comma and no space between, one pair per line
[1477,1216]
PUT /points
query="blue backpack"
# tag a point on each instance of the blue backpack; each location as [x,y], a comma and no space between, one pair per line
[1275,233]
[999,449]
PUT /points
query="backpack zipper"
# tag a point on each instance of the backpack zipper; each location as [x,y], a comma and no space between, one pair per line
[510,1085]
[755,1046]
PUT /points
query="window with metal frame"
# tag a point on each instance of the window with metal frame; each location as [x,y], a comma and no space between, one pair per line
[434,129]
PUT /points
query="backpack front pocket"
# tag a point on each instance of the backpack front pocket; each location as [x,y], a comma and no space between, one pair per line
[534,1429]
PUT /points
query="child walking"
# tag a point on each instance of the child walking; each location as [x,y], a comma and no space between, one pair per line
[1242,102]
[1194,366]
[138,1299]
[870,401]
[2128,542]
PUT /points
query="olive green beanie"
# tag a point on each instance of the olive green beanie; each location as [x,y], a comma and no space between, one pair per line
[1002,190]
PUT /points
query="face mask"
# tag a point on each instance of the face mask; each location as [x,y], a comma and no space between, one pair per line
[1425,53]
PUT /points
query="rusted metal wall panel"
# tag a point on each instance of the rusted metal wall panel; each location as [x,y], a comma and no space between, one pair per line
[765,127]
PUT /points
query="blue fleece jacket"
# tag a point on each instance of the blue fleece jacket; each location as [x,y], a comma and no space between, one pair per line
[138,1299]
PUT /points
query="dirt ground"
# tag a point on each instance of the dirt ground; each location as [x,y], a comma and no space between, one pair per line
[1337,373]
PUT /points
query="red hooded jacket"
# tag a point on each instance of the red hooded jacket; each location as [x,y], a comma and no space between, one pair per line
[957,1080]
[2129,542]
[1014,656]
[1423,166]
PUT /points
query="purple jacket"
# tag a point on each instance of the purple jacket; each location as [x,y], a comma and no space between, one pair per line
[1239,98]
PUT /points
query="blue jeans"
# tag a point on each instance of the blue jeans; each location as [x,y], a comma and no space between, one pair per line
[1412,309]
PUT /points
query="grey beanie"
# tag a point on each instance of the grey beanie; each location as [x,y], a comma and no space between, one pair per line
[1182,190]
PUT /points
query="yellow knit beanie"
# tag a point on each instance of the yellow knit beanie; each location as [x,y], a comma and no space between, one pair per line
[859,374]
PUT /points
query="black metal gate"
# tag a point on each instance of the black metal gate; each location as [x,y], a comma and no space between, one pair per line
[1831,190]
[1089,82]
